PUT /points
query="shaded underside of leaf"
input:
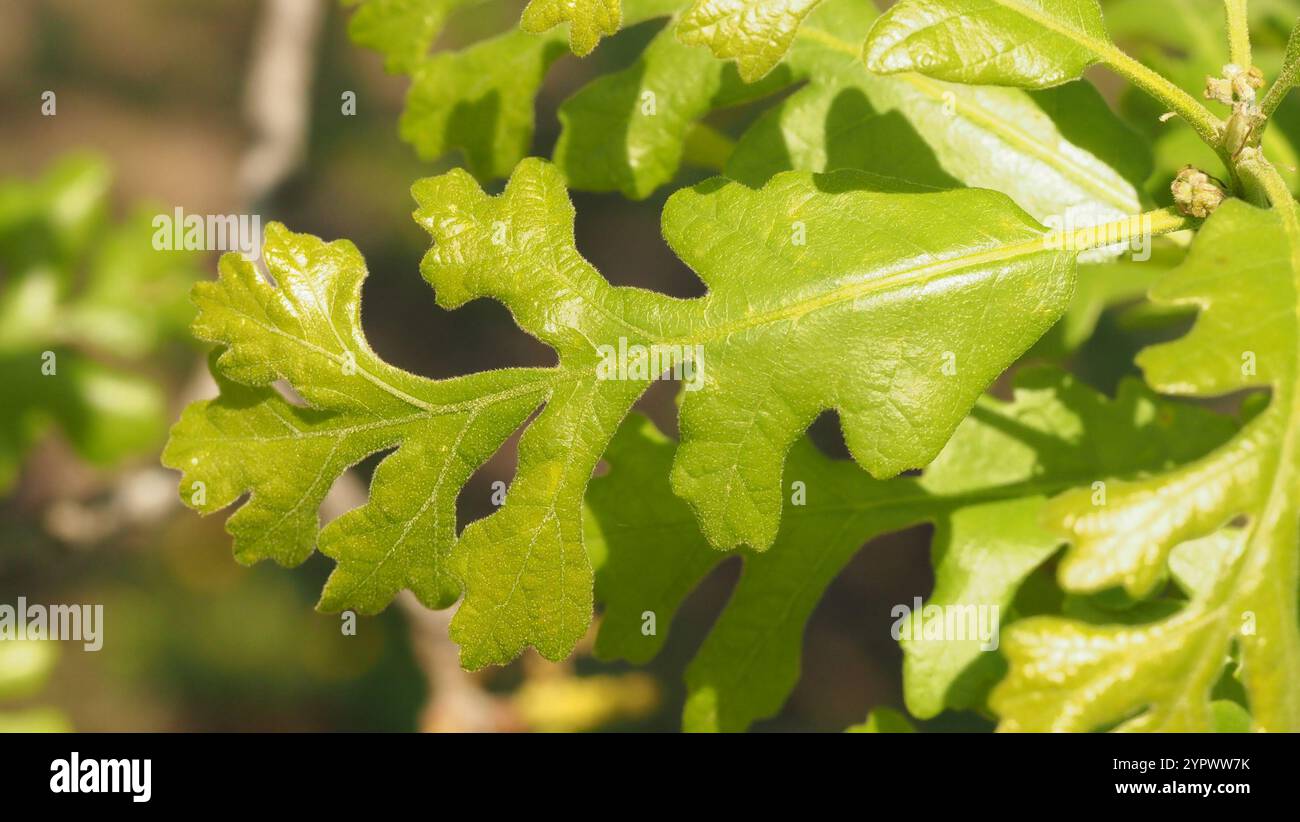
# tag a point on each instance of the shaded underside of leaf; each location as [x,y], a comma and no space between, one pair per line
[1239,499]
[985,493]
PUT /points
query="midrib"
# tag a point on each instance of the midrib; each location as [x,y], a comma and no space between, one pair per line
[918,275]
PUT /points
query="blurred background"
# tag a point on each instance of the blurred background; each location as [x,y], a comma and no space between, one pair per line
[233,106]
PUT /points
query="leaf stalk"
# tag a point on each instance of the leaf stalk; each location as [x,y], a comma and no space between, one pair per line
[1152,223]
[1238,33]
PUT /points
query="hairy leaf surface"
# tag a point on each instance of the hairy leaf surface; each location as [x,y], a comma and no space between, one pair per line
[755,33]
[982,289]
[589,20]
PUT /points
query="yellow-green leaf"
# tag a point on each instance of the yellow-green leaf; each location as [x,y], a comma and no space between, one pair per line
[755,33]
[589,20]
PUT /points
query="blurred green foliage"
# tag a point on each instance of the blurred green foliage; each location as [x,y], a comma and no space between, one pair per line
[86,304]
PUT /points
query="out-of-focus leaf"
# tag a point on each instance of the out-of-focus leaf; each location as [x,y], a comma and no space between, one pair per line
[401,30]
[34,721]
[626,131]
[477,100]
[883,721]
[81,301]
[25,665]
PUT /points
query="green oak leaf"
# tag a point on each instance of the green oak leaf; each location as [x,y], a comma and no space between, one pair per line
[644,542]
[1059,154]
[306,331]
[834,125]
[650,554]
[1046,440]
[627,131]
[896,403]
[479,100]
[85,304]
[1026,43]
[1121,282]
[1068,675]
[755,33]
[589,20]
[1160,675]
[985,494]
[793,271]
[1229,717]
[401,30]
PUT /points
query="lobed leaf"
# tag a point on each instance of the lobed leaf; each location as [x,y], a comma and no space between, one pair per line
[1057,153]
[983,288]
[985,494]
[589,20]
[1161,674]
[755,33]
[626,131]
[479,101]
[402,30]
